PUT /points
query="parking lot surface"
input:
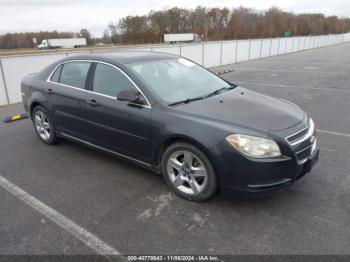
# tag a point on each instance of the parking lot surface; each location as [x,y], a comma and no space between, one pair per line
[132,211]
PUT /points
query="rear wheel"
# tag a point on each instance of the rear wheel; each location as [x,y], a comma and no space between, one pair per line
[43,125]
[188,172]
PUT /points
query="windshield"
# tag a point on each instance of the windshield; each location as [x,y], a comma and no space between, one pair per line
[178,79]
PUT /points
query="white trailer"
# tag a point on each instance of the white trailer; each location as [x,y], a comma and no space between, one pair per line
[62,43]
[175,38]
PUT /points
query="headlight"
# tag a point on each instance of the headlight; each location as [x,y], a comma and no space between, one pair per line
[254,146]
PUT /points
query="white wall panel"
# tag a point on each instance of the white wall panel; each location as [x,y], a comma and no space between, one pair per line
[3,99]
[274,46]
[76,53]
[228,53]
[302,43]
[314,42]
[289,44]
[329,40]
[170,50]
[317,41]
[265,51]
[311,43]
[212,53]
[282,46]
[325,40]
[335,39]
[308,42]
[242,50]
[255,46]
[146,49]
[296,44]
[15,68]
[347,37]
[193,52]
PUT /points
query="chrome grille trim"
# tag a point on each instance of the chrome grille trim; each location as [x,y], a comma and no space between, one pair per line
[302,161]
[310,132]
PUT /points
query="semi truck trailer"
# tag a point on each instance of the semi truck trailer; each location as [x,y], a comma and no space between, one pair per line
[62,43]
[178,38]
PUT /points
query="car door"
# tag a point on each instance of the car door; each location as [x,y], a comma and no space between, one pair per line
[117,125]
[66,94]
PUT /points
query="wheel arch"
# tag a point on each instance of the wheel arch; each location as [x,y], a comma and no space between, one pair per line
[38,99]
[34,104]
[184,139]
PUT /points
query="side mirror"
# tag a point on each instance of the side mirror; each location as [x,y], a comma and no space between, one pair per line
[131,96]
[128,95]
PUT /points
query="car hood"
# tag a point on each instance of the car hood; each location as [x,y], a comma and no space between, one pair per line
[246,109]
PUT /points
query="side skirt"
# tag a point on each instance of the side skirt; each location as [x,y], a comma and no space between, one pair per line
[110,152]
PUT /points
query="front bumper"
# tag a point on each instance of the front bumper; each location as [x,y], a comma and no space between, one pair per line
[284,182]
[243,177]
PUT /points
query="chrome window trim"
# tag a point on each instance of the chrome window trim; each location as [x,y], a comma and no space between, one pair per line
[89,91]
[311,130]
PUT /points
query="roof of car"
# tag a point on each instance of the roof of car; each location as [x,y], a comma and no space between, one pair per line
[126,57]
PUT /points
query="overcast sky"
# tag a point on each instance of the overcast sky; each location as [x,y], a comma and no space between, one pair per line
[95,15]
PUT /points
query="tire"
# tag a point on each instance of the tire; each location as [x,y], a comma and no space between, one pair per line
[43,126]
[188,172]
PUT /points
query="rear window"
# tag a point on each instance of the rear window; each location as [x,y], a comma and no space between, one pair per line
[74,74]
[56,75]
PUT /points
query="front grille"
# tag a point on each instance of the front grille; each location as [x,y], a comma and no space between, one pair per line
[303,142]
[293,138]
[302,135]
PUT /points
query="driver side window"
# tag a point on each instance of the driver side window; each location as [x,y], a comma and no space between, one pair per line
[110,81]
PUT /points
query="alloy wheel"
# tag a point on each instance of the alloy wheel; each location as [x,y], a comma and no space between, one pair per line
[187,172]
[42,125]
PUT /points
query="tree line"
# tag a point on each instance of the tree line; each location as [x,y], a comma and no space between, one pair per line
[209,23]
[222,24]
[25,40]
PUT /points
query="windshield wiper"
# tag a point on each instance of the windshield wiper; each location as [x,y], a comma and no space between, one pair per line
[218,91]
[187,100]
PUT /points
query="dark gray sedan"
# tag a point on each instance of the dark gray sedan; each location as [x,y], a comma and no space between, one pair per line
[174,117]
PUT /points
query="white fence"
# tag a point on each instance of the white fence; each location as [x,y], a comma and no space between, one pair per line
[208,54]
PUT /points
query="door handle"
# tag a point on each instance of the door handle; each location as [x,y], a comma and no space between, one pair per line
[49,91]
[92,102]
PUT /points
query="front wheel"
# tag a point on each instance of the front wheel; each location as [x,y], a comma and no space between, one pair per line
[188,172]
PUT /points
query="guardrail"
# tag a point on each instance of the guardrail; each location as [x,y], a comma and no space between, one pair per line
[208,54]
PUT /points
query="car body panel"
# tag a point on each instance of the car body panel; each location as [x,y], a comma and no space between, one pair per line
[248,109]
[119,127]
[67,106]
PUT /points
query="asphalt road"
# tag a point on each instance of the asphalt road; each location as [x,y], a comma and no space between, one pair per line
[132,211]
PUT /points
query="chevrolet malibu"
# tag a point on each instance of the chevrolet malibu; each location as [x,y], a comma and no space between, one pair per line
[172,116]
